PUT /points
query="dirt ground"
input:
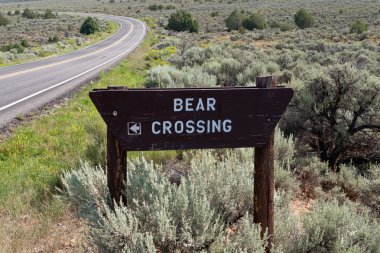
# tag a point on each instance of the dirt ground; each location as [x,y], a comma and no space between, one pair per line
[68,234]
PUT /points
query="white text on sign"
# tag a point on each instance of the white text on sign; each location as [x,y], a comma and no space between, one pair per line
[193,126]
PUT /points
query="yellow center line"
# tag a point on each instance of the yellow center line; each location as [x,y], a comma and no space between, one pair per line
[70,60]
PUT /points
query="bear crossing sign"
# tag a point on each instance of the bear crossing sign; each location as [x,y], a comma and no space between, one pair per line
[170,119]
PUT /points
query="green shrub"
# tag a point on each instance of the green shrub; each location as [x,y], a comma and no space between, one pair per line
[182,21]
[284,26]
[54,39]
[17,12]
[255,21]
[19,49]
[29,14]
[89,26]
[49,14]
[303,19]
[214,14]
[155,7]
[358,27]
[25,43]
[170,7]
[9,13]
[3,20]
[234,21]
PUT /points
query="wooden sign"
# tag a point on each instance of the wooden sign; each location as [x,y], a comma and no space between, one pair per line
[169,119]
[164,119]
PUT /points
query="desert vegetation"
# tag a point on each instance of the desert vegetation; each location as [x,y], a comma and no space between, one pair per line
[47,34]
[327,174]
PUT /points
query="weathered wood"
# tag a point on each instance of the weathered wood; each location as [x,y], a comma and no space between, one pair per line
[116,168]
[263,212]
[136,117]
[116,162]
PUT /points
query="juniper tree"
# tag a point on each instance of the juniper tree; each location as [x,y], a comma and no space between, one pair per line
[89,26]
[255,21]
[337,113]
[182,21]
[3,20]
[303,19]
[234,21]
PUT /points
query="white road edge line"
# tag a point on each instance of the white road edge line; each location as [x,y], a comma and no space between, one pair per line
[81,74]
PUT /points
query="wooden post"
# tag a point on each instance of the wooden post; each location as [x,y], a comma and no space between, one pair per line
[263,212]
[116,162]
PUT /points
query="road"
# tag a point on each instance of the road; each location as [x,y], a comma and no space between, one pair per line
[28,86]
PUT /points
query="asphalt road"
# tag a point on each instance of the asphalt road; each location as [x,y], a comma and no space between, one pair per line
[28,86]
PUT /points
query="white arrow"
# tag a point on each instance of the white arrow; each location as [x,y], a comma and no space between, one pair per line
[135,128]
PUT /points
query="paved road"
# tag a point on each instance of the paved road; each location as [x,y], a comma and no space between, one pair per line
[28,86]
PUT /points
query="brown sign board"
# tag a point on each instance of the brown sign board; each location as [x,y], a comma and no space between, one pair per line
[169,119]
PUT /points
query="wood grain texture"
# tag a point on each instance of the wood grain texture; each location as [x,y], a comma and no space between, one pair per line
[263,212]
[254,113]
[116,168]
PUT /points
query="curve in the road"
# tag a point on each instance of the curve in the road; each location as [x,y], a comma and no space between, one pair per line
[27,86]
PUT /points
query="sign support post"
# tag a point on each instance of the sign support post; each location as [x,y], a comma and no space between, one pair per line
[116,162]
[116,168]
[263,212]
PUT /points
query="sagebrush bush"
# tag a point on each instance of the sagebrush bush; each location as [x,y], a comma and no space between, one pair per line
[310,171]
[334,227]
[285,180]
[118,231]
[370,192]
[178,217]
[284,149]
[347,179]
[248,76]
[172,217]
[87,189]
[170,77]
[247,239]
[226,181]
